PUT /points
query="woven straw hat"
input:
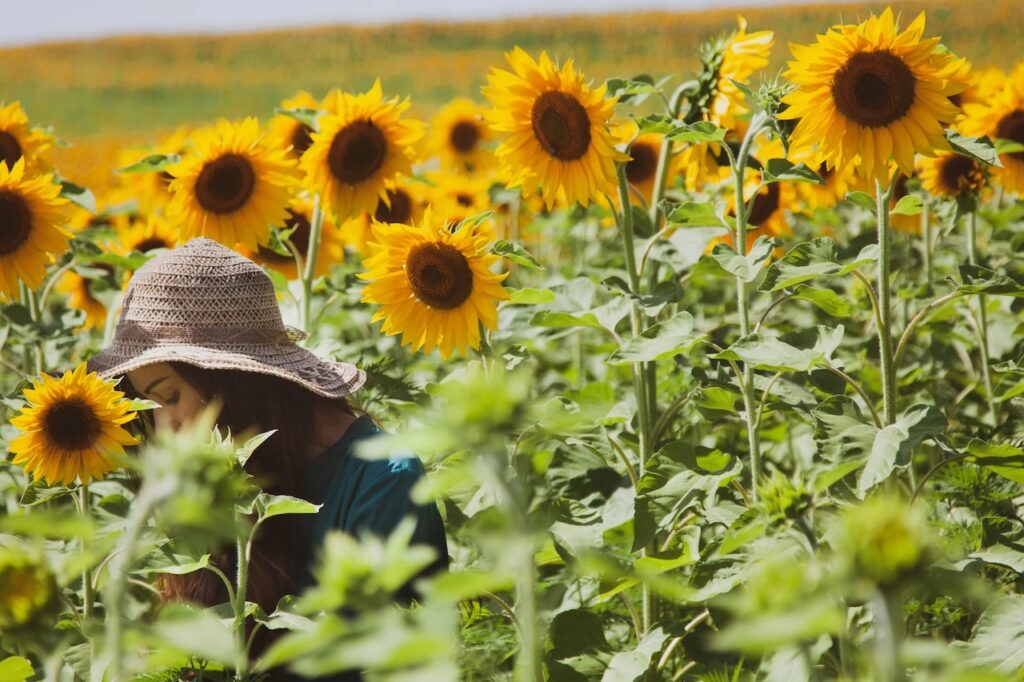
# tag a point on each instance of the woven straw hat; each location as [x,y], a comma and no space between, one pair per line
[206,305]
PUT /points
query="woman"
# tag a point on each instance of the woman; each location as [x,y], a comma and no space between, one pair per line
[201,322]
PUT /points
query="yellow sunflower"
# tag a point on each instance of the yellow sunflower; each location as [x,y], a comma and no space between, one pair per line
[81,296]
[19,141]
[950,175]
[434,286]
[642,167]
[866,90]
[744,54]
[403,203]
[300,217]
[557,130]
[1001,116]
[28,589]
[838,182]
[32,215]
[363,144]
[458,135]
[289,133]
[232,187]
[145,235]
[72,428]
[152,191]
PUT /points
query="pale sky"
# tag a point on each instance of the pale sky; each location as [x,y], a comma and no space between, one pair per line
[32,21]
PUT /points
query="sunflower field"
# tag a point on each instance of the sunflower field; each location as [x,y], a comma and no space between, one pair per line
[716,375]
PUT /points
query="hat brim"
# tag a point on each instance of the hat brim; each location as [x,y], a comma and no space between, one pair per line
[288,361]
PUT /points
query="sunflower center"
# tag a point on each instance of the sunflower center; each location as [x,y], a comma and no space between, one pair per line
[874,88]
[400,211]
[765,205]
[463,136]
[301,140]
[561,125]
[72,425]
[1011,127]
[642,164]
[900,190]
[15,221]
[225,184]
[439,275]
[957,172]
[357,152]
[464,199]
[10,150]
[150,243]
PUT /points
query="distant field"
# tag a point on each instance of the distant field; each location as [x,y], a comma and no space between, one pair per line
[122,90]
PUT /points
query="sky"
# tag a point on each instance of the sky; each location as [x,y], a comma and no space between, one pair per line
[33,21]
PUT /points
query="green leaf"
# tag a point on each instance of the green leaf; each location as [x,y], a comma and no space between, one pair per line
[243,453]
[827,300]
[154,163]
[978,148]
[841,430]
[576,632]
[810,260]
[893,444]
[997,641]
[908,205]
[80,196]
[268,506]
[665,339]
[656,123]
[528,296]
[862,199]
[304,115]
[195,631]
[515,253]
[980,280]
[746,267]
[775,354]
[1004,459]
[701,131]
[777,170]
[692,214]
[627,89]
[1001,555]
[138,404]
[548,318]
[181,566]
[15,669]
[767,632]
[629,666]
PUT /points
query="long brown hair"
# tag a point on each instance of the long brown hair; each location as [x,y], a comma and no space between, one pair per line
[256,403]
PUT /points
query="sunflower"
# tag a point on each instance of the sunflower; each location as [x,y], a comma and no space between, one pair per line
[403,203]
[362,145]
[743,54]
[300,218]
[642,167]
[838,182]
[71,428]
[289,133]
[152,191]
[871,92]
[81,296]
[19,141]
[28,589]
[457,137]
[950,175]
[145,235]
[434,286]
[1001,116]
[232,187]
[557,128]
[32,215]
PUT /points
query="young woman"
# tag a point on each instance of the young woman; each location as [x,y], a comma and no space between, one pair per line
[200,323]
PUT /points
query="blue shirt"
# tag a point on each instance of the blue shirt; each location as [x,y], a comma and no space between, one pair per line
[360,495]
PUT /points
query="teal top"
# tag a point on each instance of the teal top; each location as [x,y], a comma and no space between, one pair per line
[360,496]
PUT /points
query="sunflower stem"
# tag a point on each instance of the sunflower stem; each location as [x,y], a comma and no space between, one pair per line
[87,594]
[640,375]
[664,161]
[742,300]
[309,271]
[33,312]
[243,549]
[926,243]
[986,372]
[885,349]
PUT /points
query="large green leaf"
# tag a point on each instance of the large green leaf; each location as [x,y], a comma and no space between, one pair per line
[980,280]
[811,260]
[748,266]
[575,632]
[629,666]
[1005,459]
[665,339]
[997,641]
[775,354]
[893,444]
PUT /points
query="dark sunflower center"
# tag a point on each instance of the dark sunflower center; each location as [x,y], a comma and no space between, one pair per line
[956,99]
[464,199]
[439,275]
[1011,127]
[561,125]
[463,136]
[765,205]
[643,163]
[10,150]
[150,243]
[824,171]
[15,221]
[357,151]
[301,139]
[400,211]
[874,88]
[900,190]
[72,425]
[225,184]
[956,172]
[300,238]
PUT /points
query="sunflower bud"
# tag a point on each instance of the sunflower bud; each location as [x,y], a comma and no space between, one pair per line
[884,541]
[28,590]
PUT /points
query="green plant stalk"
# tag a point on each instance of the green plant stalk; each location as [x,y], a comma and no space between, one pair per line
[643,395]
[743,303]
[888,637]
[243,549]
[28,299]
[309,269]
[986,372]
[885,349]
[87,593]
[926,244]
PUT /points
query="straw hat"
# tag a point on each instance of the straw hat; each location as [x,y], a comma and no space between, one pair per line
[206,305]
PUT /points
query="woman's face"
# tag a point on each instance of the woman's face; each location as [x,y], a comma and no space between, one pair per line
[179,401]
